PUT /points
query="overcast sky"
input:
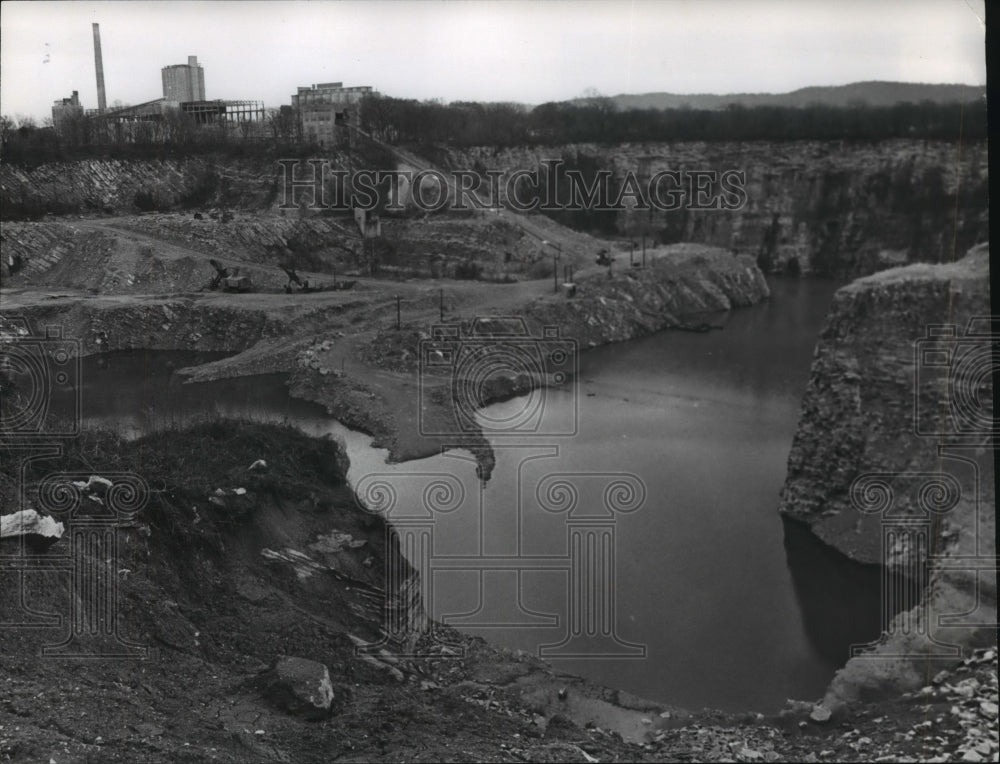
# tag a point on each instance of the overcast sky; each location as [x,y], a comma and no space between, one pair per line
[530,52]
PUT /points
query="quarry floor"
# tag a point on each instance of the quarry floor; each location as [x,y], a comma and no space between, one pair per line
[190,699]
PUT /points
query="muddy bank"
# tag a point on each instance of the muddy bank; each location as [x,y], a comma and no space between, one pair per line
[892,463]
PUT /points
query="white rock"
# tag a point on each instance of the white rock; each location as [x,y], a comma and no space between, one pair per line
[28,522]
[820,714]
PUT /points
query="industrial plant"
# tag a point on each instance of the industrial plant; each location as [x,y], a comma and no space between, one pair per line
[318,110]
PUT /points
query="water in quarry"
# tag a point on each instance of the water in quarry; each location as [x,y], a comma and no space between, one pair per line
[644,551]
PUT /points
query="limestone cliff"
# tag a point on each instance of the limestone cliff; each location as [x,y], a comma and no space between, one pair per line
[845,208]
[892,462]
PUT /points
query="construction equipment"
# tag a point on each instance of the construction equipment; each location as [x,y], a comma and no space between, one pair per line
[238,284]
[604,258]
[229,279]
[304,286]
[293,278]
[221,272]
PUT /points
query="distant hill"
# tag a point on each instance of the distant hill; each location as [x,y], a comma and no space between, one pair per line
[872,93]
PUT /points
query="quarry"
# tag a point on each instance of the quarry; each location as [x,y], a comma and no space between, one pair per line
[702,473]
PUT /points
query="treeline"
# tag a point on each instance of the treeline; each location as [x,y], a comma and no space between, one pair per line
[598,120]
[394,121]
[175,135]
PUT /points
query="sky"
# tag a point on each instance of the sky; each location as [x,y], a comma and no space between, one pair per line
[528,52]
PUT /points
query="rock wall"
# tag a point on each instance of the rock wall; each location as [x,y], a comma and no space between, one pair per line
[892,462]
[113,186]
[247,178]
[686,281]
[837,208]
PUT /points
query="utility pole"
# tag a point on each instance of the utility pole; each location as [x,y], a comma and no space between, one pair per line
[556,257]
[397,313]
[441,305]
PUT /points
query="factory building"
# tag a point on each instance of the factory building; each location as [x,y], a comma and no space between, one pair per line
[323,107]
[65,110]
[184,82]
[315,115]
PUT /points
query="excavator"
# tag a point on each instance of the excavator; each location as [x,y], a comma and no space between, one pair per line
[303,286]
[229,279]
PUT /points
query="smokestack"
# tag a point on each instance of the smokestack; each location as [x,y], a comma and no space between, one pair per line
[102,102]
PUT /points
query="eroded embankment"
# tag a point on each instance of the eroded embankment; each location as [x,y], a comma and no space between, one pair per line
[892,462]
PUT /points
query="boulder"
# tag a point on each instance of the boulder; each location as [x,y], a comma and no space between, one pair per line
[299,687]
[38,531]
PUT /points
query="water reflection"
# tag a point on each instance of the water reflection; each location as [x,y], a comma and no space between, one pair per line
[841,603]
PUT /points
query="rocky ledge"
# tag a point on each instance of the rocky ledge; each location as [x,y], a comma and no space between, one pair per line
[892,463]
[674,292]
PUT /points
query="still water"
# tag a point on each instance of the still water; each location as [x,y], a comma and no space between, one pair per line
[701,596]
